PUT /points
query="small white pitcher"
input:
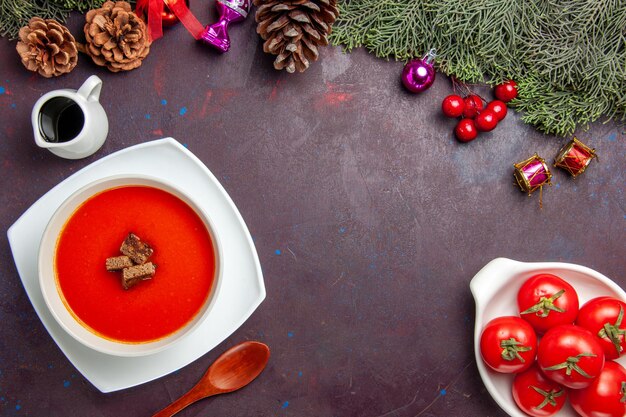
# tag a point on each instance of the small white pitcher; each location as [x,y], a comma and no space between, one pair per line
[71,124]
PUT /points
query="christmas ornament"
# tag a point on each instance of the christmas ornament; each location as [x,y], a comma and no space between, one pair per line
[116,37]
[465,130]
[452,106]
[567,57]
[230,11]
[486,121]
[574,157]
[293,30]
[476,119]
[419,74]
[158,15]
[168,17]
[184,15]
[216,35]
[153,10]
[473,105]
[47,47]
[532,174]
[506,91]
[498,108]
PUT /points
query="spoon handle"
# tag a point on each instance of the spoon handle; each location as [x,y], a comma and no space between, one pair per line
[189,398]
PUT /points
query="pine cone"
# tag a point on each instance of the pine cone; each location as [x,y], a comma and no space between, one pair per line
[47,47]
[293,30]
[116,37]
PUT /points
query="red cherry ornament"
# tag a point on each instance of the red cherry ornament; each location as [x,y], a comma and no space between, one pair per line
[506,91]
[473,106]
[168,18]
[465,130]
[498,108]
[486,121]
[452,106]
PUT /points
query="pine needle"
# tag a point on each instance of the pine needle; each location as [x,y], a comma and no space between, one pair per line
[16,13]
[568,57]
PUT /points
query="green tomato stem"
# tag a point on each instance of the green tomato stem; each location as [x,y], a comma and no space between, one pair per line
[548,397]
[511,349]
[613,332]
[545,305]
[571,364]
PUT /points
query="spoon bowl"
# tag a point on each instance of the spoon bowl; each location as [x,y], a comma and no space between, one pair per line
[233,370]
[238,366]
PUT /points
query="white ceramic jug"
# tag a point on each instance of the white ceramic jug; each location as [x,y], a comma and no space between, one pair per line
[69,123]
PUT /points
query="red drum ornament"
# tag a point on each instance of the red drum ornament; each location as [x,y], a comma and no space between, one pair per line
[574,157]
[532,174]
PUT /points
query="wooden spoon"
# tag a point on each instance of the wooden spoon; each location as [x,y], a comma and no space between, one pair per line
[234,369]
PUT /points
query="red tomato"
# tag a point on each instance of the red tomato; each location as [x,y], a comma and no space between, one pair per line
[473,106]
[570,355]
[452,106]
[604,317]
[499,109]
[506,91]
[546,301]
[605,397]
[508,344]
[536,395]
[486,121]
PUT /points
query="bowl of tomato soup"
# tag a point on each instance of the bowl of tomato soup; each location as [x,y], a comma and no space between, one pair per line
[91,303]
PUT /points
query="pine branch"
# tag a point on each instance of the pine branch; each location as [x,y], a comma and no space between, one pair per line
[568,56]
[16,13]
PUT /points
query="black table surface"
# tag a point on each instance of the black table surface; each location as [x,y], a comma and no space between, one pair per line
[369,219]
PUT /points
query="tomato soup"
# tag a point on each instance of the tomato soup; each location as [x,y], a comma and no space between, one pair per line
[153,309]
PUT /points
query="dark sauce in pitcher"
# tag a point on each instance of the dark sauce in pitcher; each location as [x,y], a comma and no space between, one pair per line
[60,119]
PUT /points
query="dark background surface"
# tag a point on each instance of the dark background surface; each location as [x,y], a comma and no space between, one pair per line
[369,220]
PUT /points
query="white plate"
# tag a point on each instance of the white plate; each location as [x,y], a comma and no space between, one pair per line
[242,288]
[495,290]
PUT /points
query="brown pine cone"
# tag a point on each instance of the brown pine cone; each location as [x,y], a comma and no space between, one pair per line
[47,47]
[116,37]
[294,29]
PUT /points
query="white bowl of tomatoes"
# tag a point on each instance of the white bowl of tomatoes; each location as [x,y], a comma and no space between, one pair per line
[564,358]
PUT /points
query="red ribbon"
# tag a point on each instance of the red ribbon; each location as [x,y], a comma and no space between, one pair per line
[154,8]
[182,12]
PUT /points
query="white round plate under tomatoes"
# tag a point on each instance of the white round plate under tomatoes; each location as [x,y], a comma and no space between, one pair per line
[495,290]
